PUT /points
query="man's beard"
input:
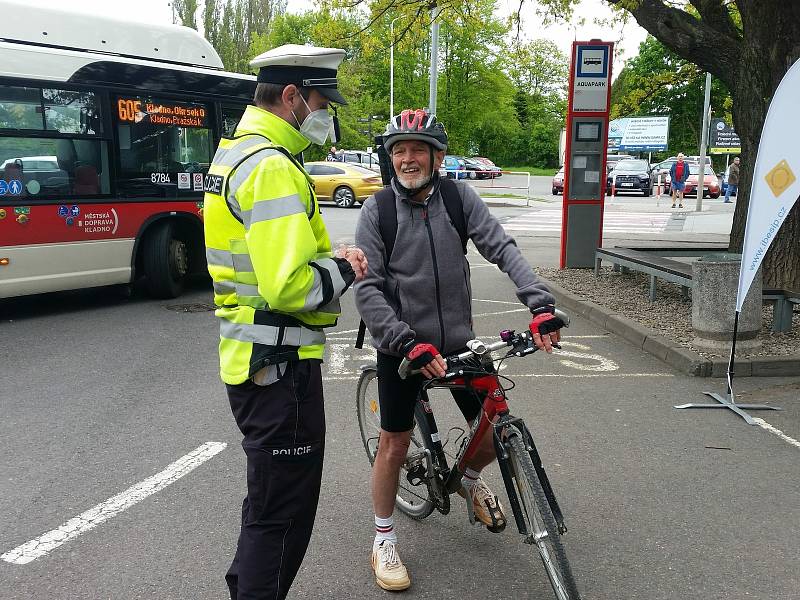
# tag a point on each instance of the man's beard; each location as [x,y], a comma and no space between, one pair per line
[414,182]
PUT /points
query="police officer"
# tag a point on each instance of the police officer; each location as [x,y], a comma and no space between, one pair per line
[276,286]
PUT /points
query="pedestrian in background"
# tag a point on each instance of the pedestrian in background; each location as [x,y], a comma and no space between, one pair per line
[277,286]
[733,180]
[333,156]
[678,174]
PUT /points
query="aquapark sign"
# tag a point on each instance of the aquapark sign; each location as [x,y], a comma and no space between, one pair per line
[591,80]
[775,186]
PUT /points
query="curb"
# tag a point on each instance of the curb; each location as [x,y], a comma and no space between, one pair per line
[675,355]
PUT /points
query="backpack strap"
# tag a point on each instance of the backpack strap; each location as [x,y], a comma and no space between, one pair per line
[387,219]
[387,225]
[455,210]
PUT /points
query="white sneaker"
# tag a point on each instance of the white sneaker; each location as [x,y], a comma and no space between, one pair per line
[390,572]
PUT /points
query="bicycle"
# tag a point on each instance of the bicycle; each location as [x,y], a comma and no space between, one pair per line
[426,479]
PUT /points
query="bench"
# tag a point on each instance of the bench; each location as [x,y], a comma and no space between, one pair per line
[784,307]
[659,267]
[645,262]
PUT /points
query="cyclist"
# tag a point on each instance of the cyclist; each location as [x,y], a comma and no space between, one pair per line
[416,302]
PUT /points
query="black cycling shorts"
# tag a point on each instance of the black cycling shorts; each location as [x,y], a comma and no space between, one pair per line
[397,397]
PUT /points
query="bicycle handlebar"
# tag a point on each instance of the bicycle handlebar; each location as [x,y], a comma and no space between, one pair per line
[477,348]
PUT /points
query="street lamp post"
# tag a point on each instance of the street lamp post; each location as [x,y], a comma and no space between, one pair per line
[391,68]
[434,75]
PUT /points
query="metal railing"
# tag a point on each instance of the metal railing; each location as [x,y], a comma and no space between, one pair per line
[502,185]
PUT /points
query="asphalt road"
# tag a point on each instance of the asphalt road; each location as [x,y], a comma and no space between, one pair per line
[100,393]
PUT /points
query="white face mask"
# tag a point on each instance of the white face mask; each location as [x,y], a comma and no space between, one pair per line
[317,126]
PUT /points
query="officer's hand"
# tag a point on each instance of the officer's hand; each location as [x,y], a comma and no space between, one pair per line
[356,258]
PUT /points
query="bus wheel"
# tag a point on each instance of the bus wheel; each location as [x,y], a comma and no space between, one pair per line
[166,262]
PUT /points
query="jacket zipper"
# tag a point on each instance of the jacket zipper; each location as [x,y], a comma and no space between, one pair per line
[435,277]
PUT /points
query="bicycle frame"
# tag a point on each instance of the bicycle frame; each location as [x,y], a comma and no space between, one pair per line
[495,418]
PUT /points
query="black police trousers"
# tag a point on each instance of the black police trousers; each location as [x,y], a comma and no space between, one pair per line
[284,439]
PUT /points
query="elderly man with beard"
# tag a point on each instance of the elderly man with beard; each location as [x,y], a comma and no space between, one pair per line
[416,301]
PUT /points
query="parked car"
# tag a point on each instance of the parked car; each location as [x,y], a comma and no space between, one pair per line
[345,184]
[662,168]
[695,158]
[33,163]
[558,182]
[490,169]
[632,176]
[363,158]
[711,185]
[454,167]
[613,159]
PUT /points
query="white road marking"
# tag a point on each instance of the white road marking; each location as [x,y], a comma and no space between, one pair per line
[46,543]
[766,426]
[603,363]
[613,222]
[496,301]
[545,375]
[337,358]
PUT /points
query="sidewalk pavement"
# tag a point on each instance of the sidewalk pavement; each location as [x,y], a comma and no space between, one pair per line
[708,228]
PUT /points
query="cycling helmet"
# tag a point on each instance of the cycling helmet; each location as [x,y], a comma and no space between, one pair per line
[415,125]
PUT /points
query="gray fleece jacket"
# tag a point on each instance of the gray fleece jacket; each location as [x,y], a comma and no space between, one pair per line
[425,292]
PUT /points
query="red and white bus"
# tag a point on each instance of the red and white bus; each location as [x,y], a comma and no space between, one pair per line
[106,131]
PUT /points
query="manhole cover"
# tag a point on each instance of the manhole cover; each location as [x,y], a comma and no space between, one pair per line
[191,308]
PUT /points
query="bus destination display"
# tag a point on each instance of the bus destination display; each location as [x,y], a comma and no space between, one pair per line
[135,110]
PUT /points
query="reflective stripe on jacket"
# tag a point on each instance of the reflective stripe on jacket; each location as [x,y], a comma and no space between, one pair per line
[276,282]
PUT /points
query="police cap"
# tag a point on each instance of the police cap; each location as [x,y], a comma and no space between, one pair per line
[304,66]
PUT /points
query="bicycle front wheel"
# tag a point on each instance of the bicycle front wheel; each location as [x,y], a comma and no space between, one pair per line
[539,521]
[412,500]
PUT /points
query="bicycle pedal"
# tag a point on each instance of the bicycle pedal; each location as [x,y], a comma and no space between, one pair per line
[416,476]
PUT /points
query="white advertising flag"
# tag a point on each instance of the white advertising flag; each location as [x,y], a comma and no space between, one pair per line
[775,185]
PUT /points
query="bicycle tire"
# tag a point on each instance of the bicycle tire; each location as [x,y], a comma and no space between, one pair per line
[415,500]
[540,521]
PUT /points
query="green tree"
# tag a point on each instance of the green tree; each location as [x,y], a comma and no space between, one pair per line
[231,25]
[658,81]
[747,44]
[539,72]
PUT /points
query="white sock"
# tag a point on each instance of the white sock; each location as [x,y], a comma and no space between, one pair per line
[470,479]
[384,530]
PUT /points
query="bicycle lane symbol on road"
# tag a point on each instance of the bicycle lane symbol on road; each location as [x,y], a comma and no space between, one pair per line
[343,360]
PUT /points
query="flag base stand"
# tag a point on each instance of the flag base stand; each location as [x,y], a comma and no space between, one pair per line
[729,402]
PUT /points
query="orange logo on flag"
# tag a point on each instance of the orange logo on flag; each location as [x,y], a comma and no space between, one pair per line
[780,178]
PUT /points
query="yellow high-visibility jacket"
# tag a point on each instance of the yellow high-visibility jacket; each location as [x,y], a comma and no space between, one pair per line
[276,282]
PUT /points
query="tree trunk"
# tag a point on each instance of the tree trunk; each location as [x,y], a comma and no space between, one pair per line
[770,46]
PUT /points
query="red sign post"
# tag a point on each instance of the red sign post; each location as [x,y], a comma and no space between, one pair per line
[585,156]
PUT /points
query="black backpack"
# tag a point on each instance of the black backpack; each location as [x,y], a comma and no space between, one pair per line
[387,223]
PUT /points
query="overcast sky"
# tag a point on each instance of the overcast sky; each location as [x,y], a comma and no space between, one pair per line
[582,27]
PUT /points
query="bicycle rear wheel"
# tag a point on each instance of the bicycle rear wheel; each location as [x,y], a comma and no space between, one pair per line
[412,500]
[540,523]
